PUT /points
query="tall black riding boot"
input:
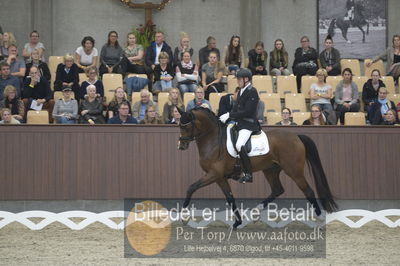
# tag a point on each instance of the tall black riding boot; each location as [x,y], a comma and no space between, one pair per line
[246,164]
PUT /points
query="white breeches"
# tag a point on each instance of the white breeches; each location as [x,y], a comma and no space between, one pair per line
[244,135]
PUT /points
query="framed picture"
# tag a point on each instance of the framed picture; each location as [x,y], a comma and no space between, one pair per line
[357,27]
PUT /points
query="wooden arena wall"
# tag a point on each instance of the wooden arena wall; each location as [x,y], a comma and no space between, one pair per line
[117,162]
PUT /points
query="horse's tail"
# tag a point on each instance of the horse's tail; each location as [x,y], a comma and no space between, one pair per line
[331,29]
[321,183]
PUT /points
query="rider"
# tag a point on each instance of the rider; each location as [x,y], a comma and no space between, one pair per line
[244,113]
[350,5]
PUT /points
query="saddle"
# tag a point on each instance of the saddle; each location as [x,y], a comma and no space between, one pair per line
[235,134]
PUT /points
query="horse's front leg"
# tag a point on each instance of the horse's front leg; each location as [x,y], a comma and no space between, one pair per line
[226,189]
[208,179]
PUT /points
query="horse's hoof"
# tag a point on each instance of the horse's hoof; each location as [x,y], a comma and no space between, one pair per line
[236,224]
[349,42]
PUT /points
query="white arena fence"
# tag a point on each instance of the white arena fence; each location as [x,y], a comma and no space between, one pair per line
[106,218]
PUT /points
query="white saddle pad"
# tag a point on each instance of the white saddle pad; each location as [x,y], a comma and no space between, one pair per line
[259,144]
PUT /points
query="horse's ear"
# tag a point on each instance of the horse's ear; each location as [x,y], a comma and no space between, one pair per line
[180,110]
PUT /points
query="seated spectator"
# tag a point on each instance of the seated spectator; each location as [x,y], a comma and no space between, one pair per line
[330,58]
[346,95]
[1,43]
[119,97]
[91,108]
[279,59]
[139,108]
[370,89]
[212,75]
[390,119]
[123,116]
[198,100]
[320,92]
[316,117]
[8,40]
[37,89]
[233,55]
[33,44]
[380,107]
[154,50]
[392,55]
[174,99]
[11,102]
[305,61]
[17,65]
[110,55]
[86,55]
[42,66]
[91,73]
[163,74]
[187,74]
[184,46]
[258,60]
[67,75]
[204,52]
[286,118]
[7,79]
[150,117]
[66,109]
[7,118]
[133,59]
[176,117]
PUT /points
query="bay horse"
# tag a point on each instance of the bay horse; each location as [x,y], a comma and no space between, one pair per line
[359,21]
[288,152]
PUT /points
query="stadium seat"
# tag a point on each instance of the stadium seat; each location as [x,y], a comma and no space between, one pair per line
[110,83]
[272,102]
[54,61]
[296,102]
[360,81]
[286,84]
[394,97]
[389,82]
[263,83]
[273,118]
[377,65]
[214,100]
[187,97]
[82,77]
[353,64]
[306,82]
[37,117]
[58,95]
[333,81]
[139,76]
[162,99]
[354,119]
[232,83]
[300,117]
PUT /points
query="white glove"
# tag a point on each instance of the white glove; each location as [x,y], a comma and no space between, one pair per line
[223,118]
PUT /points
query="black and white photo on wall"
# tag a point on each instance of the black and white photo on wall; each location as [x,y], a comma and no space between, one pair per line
[358,27]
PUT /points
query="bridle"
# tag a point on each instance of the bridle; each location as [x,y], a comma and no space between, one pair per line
[192,135]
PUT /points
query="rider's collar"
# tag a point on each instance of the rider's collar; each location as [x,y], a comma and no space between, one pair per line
[243,89]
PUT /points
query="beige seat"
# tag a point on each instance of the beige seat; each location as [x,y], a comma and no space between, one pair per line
[54,61]
[306,82]
[354,119]
[214,100]
[136,97]
[286,84]
[58,95]
[353,64]
[272,102]
[389,82]
[333,81]
[300,117]
[37,117]
[110,83]
[232,83]
[263,83]
[162,100]
[377,65]
[187,97]
[394,97]
[296,102]
[82,77]
[273,118]
[139,76]
[360,81]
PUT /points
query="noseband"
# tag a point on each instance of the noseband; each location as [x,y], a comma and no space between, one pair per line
[192,137]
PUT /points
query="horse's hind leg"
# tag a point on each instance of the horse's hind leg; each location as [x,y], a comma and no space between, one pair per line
[272,176]
[226,189]
[363,32]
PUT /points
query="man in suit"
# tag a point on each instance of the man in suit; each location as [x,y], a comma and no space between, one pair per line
[244,113]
